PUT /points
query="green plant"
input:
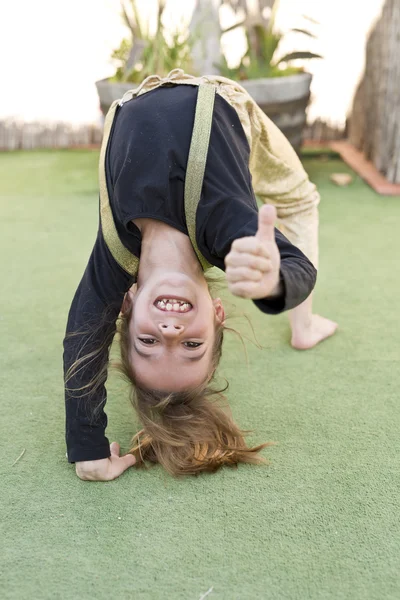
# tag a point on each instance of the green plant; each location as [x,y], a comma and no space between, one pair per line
[260,59]
[144,53]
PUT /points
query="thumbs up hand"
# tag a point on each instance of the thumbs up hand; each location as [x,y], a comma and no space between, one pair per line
[252,265]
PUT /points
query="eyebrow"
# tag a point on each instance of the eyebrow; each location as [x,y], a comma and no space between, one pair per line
[188,358]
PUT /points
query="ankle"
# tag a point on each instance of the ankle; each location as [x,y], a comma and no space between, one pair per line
[300,322]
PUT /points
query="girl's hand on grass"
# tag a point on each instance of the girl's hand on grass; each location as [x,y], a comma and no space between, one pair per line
[105,469]
[253,263]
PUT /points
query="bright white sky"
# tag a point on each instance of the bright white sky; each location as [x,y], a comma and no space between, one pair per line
[52,52]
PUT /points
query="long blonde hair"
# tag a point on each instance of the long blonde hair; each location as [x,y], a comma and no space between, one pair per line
[186,432]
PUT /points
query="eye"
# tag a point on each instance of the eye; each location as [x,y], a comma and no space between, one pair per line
[193,344]
[148,341]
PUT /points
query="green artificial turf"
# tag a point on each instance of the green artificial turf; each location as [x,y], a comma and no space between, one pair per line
[321,522]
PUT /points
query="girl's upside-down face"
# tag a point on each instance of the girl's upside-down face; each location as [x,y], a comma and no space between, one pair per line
[172,332]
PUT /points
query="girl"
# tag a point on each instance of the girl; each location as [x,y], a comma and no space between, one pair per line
[181,161]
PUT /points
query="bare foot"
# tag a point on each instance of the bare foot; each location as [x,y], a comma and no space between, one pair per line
[307,336]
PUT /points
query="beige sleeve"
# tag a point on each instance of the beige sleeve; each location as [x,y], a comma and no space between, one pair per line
[278,176]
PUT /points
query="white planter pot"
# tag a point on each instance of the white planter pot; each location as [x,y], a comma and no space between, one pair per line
[108,91]
[284,100]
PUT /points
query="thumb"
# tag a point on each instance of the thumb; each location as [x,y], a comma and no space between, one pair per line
[114,449]
[122,463]
[266,223]
[128,460]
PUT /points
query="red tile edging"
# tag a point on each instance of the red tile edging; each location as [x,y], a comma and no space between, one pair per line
[364,168]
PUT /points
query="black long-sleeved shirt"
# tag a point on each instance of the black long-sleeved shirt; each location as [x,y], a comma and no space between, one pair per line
[145,171]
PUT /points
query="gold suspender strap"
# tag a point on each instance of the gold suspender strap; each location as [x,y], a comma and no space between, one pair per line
[128,261]
[197,162]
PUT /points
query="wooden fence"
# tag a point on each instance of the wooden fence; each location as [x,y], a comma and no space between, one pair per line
[321,131]
[15,135]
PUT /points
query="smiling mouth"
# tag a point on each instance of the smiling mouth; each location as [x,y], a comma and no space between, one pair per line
[172,304]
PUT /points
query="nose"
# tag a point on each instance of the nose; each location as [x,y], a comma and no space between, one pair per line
[170,330]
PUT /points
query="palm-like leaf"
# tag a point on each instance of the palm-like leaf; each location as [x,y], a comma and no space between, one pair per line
[311,19]
[126,18]
[234,26]
[304,31]
[295,55]
[272,19]
[267,43]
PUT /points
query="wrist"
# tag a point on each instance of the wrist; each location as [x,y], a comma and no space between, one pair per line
[278,290]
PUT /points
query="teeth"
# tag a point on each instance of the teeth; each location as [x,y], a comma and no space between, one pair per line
[173,304]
